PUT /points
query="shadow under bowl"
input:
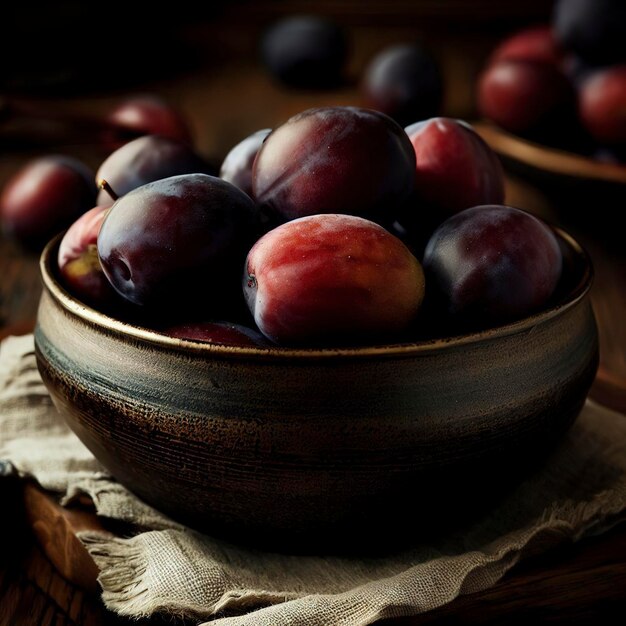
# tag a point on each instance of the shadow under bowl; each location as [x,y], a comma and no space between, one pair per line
[300,448]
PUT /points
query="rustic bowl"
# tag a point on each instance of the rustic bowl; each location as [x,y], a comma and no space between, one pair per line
[288,446]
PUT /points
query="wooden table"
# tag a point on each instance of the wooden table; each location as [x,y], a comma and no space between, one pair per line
[46,576]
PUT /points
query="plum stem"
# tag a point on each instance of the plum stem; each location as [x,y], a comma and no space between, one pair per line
[103,184]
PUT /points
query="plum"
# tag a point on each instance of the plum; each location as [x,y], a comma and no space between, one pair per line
[145,115]
[144,160]
[335,160]
[305,51]
[179,242]
[237,165]
[332,279]
[602,104]
[535,43]
[490,264]
[78,262]
[455,170]
[44,197]
[593,29]
[405,82]
[526,97]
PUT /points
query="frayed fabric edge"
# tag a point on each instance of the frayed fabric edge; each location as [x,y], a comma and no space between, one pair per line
[123,579]
[122,568]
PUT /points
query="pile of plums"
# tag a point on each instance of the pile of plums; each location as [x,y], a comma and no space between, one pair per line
[338,227]
[563,83]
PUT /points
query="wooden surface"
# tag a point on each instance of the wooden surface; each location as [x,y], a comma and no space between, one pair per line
[45,575]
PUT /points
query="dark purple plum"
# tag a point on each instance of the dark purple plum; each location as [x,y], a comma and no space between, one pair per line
[147,159]
[44,197]
[335,160]
[305,51]
[595,30]
[237,165]
[491,264]
[179,242]
[404,81]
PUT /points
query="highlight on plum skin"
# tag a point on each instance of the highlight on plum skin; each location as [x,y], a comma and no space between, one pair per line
[332,279]
[492,264]
[335,160]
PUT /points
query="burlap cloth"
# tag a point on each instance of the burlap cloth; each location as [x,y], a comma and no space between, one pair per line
[165,567]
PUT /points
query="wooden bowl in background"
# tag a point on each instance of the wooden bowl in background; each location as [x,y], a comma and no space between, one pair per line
[282,447]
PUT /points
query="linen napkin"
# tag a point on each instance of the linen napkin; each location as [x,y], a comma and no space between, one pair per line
[168,568]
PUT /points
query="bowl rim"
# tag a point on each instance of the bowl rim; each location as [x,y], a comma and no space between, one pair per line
[548,158]
[92,316]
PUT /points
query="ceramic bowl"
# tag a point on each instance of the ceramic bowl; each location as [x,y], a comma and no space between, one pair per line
[286,446]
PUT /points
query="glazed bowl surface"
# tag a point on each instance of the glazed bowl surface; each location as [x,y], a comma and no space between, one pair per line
[282,446]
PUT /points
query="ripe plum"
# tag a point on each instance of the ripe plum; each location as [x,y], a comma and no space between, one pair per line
[45,196]
[237,165]
[78,262]
[593,29]
[144,160]
[456,170]
[335,160]
[146,115]
[305,51]
[602,105]
[526,96]
[536,43]
[404,81]
[178,242]
[490,264]
[332,279]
